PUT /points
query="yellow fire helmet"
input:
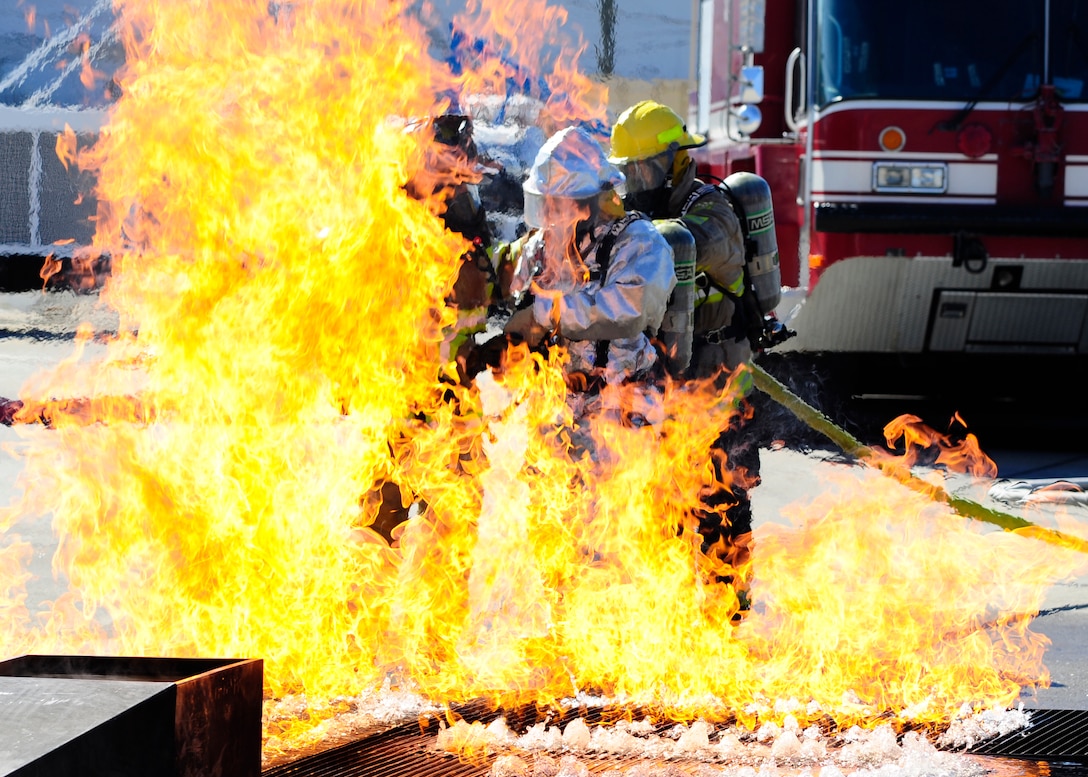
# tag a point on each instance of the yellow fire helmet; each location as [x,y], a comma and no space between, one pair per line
[647,129]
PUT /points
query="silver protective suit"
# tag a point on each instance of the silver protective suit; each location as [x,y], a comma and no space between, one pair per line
[621,307]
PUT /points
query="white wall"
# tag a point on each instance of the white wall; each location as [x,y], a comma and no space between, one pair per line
[652,38]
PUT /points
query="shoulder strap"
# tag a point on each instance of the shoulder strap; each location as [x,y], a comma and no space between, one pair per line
[694,197]
[607,242]
[706,188]
[604,259]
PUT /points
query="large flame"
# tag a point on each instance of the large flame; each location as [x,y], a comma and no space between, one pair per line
[281,301]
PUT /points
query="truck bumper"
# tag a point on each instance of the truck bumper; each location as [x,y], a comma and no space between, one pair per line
[893,304]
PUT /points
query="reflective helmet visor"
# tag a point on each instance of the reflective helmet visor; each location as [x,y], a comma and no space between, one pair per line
[645,175]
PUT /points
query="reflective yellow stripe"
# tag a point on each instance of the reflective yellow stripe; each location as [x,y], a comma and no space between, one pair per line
[715,293]
[469,323]
[669,135]
[703,297]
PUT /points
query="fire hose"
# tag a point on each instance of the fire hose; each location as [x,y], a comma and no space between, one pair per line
[893,468]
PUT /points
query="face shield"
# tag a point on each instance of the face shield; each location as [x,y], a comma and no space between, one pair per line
[446,171]
[644,175]
[542,211]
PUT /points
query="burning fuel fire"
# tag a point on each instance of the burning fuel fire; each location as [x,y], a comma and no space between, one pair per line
[279,355]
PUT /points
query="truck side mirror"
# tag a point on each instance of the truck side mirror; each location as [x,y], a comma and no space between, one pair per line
[751,84]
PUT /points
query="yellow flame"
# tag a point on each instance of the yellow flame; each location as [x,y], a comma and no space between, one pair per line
[213,475]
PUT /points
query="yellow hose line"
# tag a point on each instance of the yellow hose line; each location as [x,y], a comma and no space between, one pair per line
[849,444]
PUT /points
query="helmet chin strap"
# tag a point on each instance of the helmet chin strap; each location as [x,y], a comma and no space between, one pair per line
[680,164]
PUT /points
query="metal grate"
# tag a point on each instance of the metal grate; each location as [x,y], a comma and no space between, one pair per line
[1057,736]
[409,750]
[404,750]
[1053,734]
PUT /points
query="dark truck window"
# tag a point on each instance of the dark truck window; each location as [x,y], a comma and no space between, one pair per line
[957,50]
[1069,48]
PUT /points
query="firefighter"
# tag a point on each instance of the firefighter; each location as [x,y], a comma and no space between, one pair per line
[650,145]
[449,182]
[600,278]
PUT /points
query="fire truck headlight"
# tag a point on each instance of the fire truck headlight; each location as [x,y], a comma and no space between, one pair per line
[927,178]
[890,177]
[931,178]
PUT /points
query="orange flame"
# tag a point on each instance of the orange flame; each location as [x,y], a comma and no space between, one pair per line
[66,146]
[50,267]
[517,38]
[964,455]
[88,76]
[31,16]
[278,360]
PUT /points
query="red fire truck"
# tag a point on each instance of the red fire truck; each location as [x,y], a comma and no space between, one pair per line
[928,163]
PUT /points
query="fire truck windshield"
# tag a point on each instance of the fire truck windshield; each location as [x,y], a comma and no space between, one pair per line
[956,50]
